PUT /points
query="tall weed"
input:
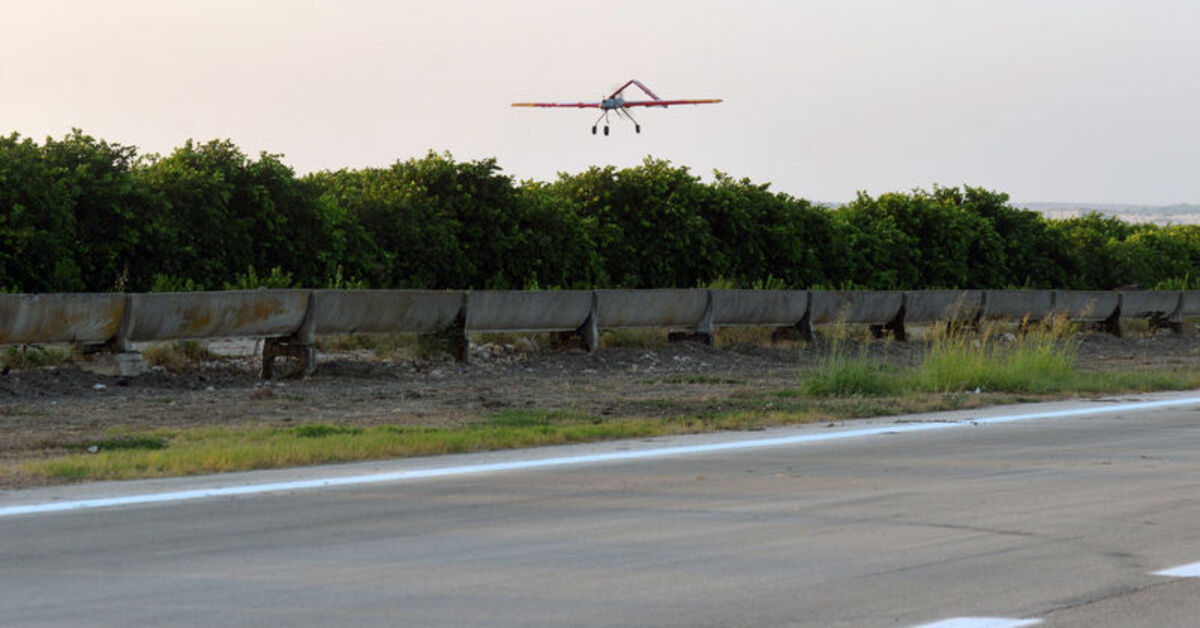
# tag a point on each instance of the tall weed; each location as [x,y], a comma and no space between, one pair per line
[1039,359]
[840,374]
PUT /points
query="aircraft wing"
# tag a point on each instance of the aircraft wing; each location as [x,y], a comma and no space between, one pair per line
[577,105]
[664,103]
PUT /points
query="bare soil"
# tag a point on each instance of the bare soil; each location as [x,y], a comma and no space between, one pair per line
[44,411]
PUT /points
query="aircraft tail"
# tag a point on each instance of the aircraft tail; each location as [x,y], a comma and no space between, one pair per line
[640,86]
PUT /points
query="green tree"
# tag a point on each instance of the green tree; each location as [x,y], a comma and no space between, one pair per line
[1090,243]
[37,222]
[648,221]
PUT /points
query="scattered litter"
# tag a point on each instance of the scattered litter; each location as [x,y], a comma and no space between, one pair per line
[99,386]
[93,449]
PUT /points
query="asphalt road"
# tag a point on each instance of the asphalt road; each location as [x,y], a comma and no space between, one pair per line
[1061,520]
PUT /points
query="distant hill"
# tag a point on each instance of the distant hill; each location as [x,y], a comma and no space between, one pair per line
[1181,214]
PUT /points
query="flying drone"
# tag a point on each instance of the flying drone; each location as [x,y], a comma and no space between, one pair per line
[616,103]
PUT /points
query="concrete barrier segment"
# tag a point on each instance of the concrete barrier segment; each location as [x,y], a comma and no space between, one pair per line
[938,306]
[1189,304]
[767,308]
[865,307]
[1160,307]
[385,311]
[525,311]
[67,317]
[1088,306]
[229,314]
[1020,305]
[671,308]
[1150,303]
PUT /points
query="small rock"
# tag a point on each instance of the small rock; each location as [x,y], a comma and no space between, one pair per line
[99,386]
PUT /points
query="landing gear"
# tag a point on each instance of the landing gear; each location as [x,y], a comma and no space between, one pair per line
[603,116]
[637,128]
[621,112]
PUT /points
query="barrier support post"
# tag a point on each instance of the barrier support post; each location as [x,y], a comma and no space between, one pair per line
[451,338]
[896,326]
[288,347]
[1112,324]
[299,346]
[128,360]
[802,330]
[587,335]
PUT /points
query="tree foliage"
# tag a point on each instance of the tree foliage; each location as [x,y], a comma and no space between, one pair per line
[79,214]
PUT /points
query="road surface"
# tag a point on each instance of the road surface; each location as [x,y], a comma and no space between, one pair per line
[1062,520]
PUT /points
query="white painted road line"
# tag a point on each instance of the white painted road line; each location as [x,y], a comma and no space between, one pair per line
[1182,571]
[530,464]
[982,622]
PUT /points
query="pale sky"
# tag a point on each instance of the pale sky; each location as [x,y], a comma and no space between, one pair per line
[1048,100]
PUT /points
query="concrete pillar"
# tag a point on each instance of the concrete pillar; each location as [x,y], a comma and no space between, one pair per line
[299,345]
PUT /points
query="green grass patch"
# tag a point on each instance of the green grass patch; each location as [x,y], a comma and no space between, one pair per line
[167,453]
[20,357]
[1042,361]
[1039,361]
[321,430]
[124,443]
[840,374]
[215,450]
[850,378]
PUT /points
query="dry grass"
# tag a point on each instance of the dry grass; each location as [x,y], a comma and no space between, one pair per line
[179,355]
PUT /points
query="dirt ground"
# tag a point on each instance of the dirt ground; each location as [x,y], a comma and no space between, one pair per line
[42,410]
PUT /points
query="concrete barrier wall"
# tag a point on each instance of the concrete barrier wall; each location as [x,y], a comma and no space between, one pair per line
[511,310]
[255,313]
[1018,304]
[384,311]
[1150,304]
[86,318]
[853,307]
[100,318]
[1089,306]
[650,308]
[934,306]
[781,308]
[1189,304]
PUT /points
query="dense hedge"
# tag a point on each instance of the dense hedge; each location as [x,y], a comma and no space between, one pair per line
[80,214]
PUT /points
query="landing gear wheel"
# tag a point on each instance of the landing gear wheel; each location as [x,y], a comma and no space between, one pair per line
[637,128]
[593,129]
[606,130]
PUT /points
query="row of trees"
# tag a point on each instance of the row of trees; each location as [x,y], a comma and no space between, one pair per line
[80,214]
